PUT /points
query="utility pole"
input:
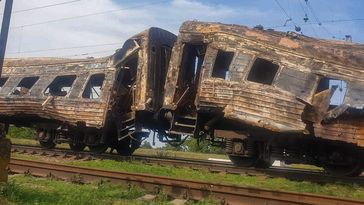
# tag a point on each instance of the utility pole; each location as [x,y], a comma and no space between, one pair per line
[4,31]
[5,145]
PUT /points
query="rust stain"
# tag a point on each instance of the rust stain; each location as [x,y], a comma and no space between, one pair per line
[257,35]
[289,43]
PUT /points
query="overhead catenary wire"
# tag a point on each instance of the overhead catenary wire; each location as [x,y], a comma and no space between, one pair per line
[296,27]
[44,6]
[67,48]
[88,15]
[305,19]
[88,53]
[318,20]
[285,12]
[323,21]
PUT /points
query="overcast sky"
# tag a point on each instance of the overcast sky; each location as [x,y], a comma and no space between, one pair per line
[131,17]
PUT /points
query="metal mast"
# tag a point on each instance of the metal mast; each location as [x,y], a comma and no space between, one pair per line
[4,31]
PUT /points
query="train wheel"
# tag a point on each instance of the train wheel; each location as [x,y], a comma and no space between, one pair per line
[47,145]
[46,139]
[344,163]
[260,163]
[125,147]
[98,149]
[243,161]
[78,147]
[348,170]
[128,145]
[124,150]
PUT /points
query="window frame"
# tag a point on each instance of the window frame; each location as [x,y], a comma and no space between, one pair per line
[219,50]
[68,93]
[280,67]
[329,78]
[17,85]
[87,81]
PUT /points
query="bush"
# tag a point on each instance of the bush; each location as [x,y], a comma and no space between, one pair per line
[21,132]
[192,145]
[203,146]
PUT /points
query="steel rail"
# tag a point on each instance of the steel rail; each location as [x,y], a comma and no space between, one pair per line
[178,188]
[212,166]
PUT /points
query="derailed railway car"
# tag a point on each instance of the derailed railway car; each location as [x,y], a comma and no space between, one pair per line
[268,95]
[99,103]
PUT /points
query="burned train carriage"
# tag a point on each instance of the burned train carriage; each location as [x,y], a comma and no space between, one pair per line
[93,102]
[268,95]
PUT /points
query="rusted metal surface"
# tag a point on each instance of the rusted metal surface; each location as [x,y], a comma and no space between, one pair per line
[71,108]
[287,103]
[146,76]
[342,130]
[254,104]
[228,194]
[89,101]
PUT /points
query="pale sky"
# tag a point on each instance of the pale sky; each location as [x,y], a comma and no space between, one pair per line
[56,30]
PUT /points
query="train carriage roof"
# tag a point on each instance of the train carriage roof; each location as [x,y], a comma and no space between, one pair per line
[335,51]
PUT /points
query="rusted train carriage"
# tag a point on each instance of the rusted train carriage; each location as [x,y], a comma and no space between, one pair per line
[268,95]
[89,102]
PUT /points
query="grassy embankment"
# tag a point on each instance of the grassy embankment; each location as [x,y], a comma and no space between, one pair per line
[38,191]
[333,189]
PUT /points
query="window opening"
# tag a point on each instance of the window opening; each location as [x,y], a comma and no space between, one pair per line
[94,86]
[338,88]
[191,63]
[25,85]
[60,86]
[222,64]
[263,71]
[2,82]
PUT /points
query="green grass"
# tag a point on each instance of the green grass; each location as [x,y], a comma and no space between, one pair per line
[333,189]
[21,132]
[140,151]
[38,191]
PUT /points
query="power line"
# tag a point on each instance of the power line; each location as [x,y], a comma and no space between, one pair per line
[88,15]
[285,12]
[305,19]
[87,54]
[66,48]
[324,21]
[317,19]
[297,28]
[280,6]
[45,6]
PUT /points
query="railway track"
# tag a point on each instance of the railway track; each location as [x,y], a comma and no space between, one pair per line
[212,166]
[177,188]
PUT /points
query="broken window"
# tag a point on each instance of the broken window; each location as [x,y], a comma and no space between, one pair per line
[25,85]
[193,56]
[337,87]
[222,64]
[2,82]
[263,71]
[93,87]
[60,86]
